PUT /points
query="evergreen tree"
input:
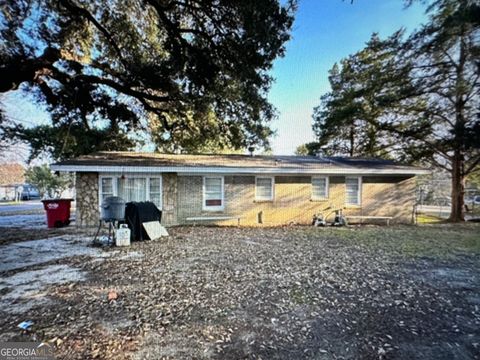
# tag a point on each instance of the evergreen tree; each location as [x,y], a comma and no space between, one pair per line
[438,119]
[313,149]
[420,96]
[345,122]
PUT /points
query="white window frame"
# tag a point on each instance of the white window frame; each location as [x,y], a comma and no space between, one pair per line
[204,199]
[257,198]
[327,186]
[100,187]
[359,194]
[116,177]
[160,206]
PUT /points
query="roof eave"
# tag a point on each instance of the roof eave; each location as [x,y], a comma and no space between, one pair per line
[235,170]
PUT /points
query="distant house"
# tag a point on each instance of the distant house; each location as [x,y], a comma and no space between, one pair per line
[12,176]
[266,190]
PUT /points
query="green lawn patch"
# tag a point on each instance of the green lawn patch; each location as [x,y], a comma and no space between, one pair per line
[435,240]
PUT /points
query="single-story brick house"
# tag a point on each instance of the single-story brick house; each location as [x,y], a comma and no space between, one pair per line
[267,190]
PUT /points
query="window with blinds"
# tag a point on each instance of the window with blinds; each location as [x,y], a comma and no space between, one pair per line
[319,188]
[353,190]
[213,198]
[264,188]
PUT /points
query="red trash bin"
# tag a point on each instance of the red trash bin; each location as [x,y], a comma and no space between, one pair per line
[58,212]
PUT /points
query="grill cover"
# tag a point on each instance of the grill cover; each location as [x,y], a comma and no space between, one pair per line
[137,213]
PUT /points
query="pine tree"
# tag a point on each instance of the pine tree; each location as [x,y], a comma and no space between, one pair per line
[437,121]
[346,121]
[416,99]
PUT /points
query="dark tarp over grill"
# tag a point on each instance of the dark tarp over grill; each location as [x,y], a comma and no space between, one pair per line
[137,213]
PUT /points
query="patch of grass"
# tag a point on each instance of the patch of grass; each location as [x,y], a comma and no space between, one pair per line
[436,240]
[299,296]
[475,210]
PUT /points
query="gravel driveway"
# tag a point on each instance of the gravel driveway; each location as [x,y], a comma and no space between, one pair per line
[276,293]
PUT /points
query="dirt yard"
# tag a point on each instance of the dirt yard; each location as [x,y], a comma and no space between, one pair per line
[245,293]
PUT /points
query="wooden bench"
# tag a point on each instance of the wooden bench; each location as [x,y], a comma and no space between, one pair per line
[212,218]
[387,218]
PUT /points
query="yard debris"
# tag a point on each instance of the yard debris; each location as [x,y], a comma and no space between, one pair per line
[112,295]
[298,293]
[25,325]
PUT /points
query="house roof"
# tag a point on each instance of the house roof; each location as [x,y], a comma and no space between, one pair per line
[182,163]
[11,174]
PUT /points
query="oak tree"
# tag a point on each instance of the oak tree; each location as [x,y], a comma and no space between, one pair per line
[113,73]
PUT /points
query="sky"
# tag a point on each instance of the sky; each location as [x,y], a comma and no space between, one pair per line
[324,32]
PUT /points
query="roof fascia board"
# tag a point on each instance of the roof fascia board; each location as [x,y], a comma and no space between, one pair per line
[198,170]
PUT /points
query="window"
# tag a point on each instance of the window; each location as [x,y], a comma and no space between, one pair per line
[106,188]
[213,193]
[155,191]
[264,188]
[132,188]
[353,190]
[319,188]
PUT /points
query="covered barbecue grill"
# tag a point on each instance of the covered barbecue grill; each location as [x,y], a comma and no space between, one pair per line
[137,213]
[113,209]
[112,212]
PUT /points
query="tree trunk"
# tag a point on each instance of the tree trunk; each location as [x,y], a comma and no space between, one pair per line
[458,161]
[352,140]
[458,190]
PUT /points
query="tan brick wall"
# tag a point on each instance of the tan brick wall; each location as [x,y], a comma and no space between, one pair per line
[87,210]
[381,196]
[182,198]
[388,196]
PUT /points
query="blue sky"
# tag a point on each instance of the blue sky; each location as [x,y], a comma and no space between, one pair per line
[324,32]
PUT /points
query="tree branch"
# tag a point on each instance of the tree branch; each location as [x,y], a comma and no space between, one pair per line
[472,166]
[77,11]
[92,79]
[17,71]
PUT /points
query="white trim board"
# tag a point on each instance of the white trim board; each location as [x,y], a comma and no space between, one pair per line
[197,170]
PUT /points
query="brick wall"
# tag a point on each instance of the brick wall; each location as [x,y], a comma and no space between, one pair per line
[182,198]
[381,196]
[388,196]
[189,199]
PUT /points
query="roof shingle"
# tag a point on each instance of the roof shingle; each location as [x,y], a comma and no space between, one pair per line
[136,159]
[11,174]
